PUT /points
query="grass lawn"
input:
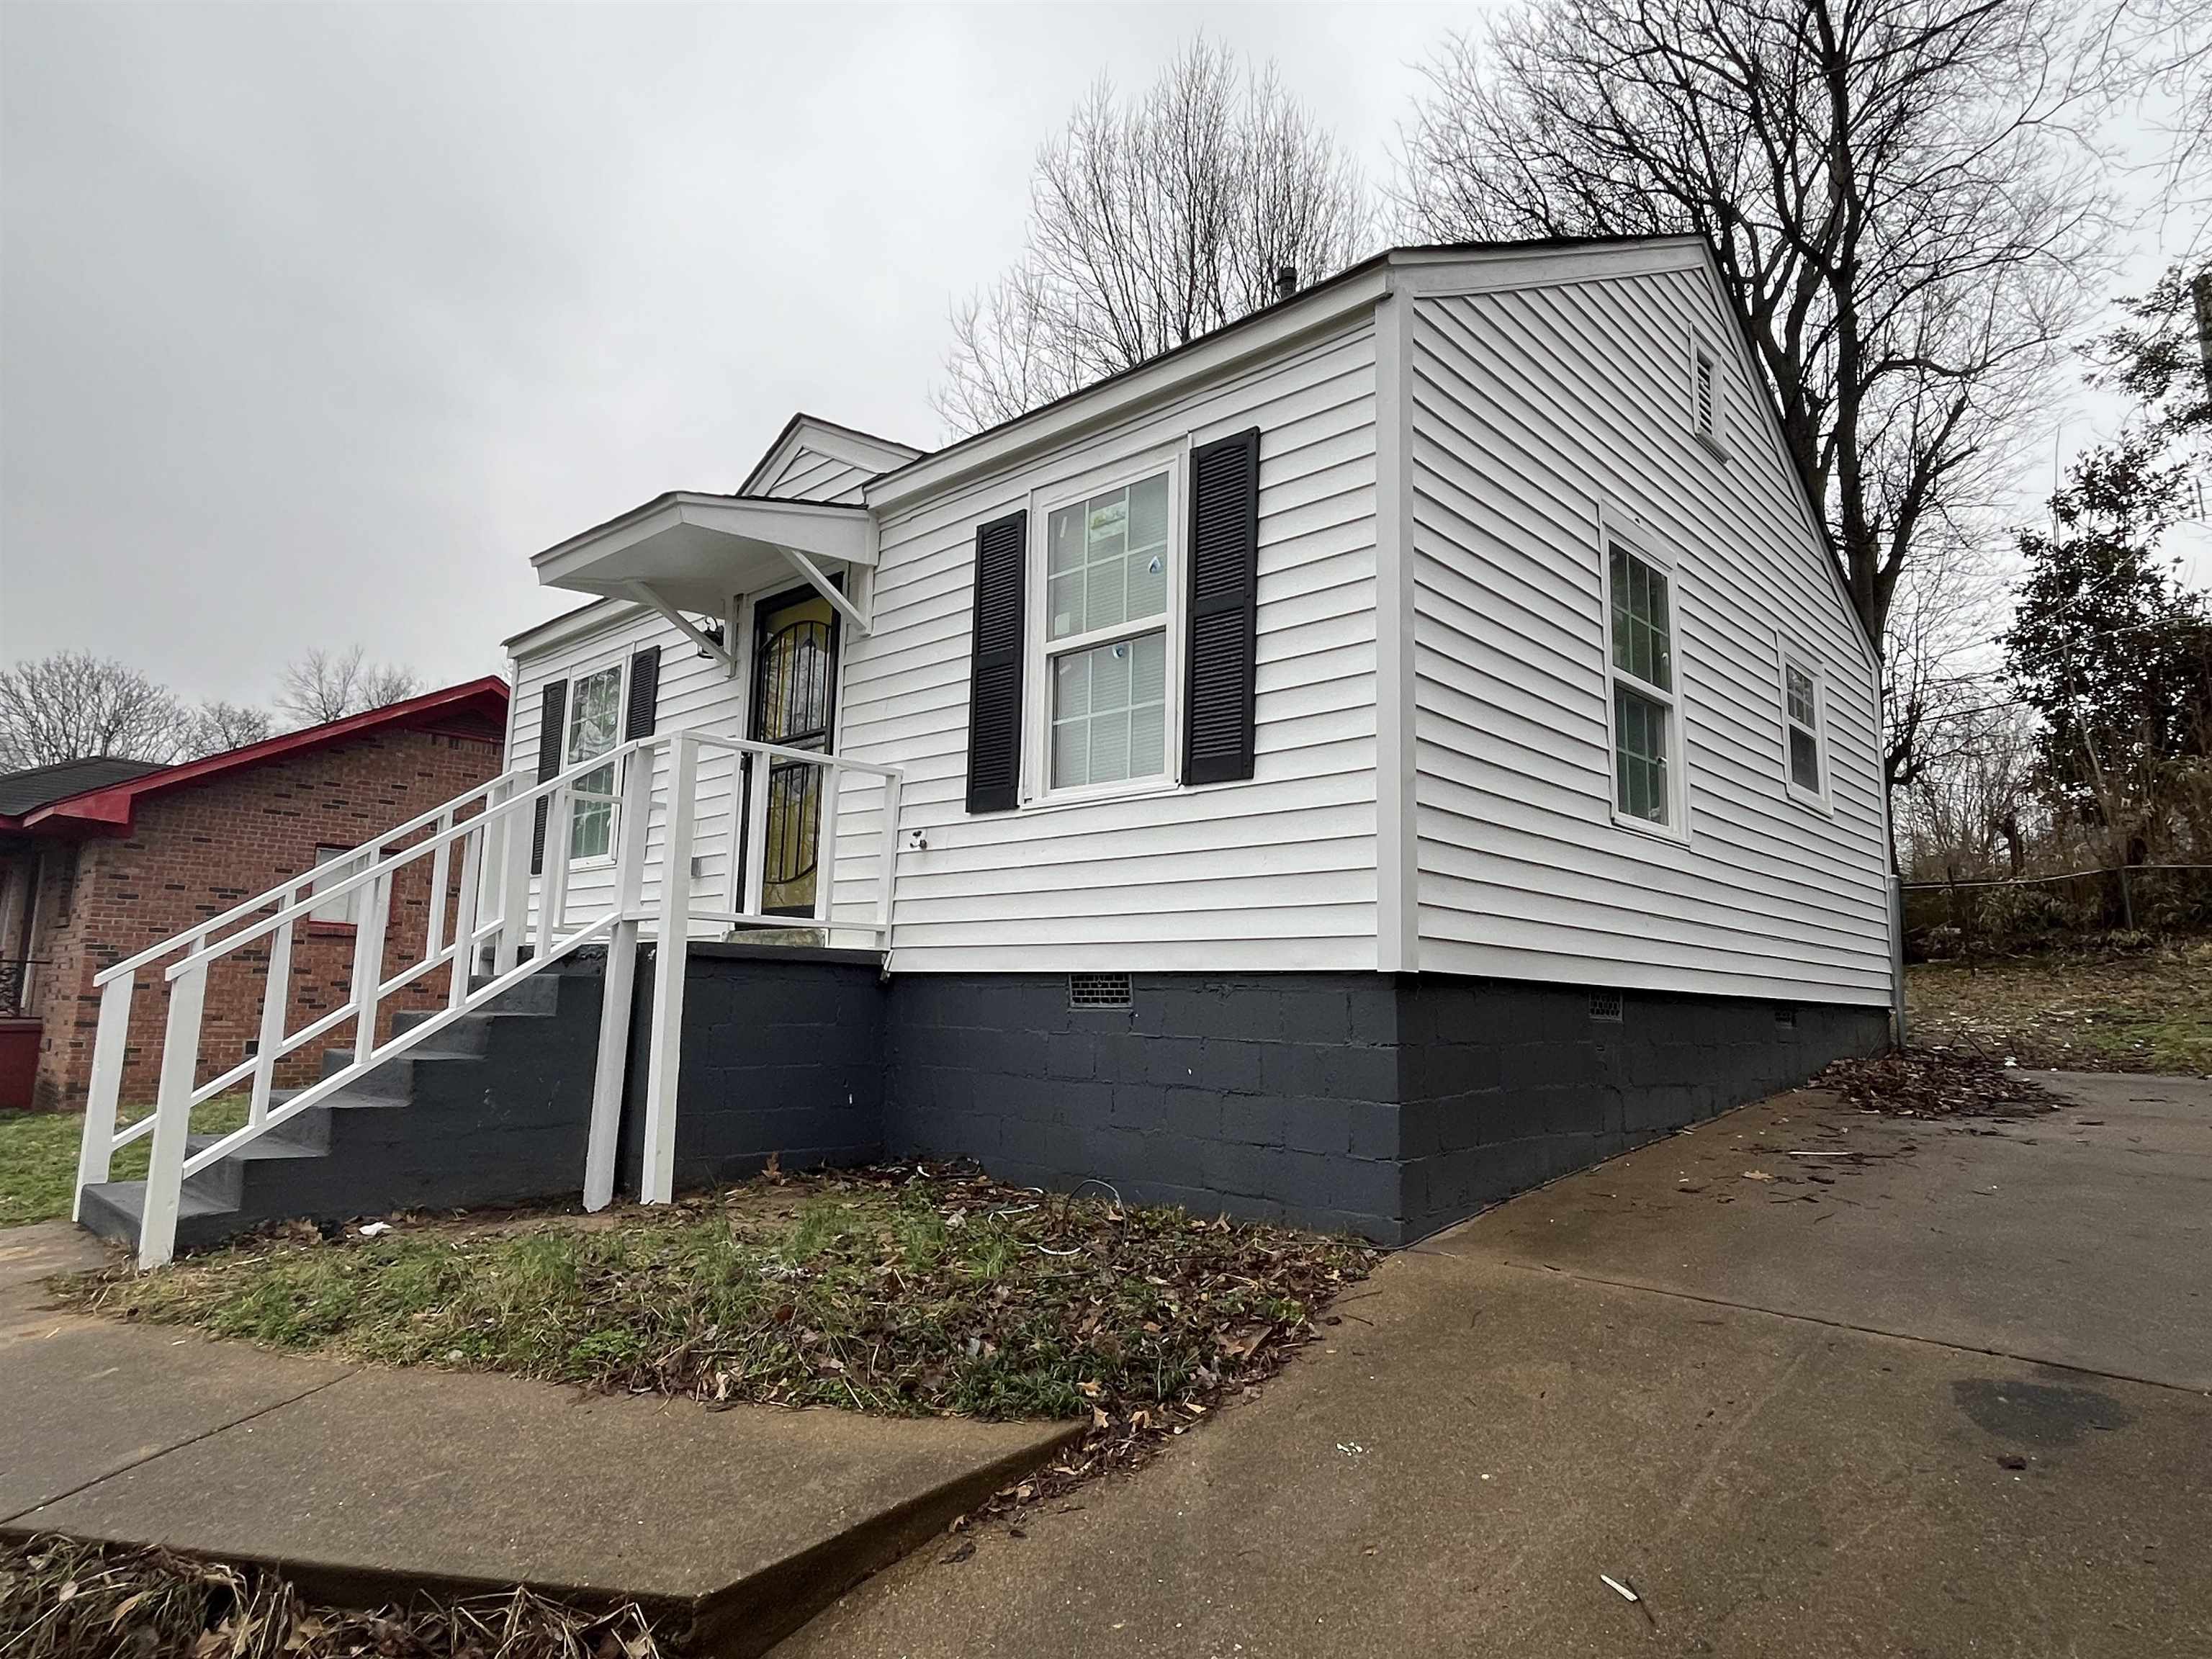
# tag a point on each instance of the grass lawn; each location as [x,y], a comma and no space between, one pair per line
[2141,1010]
[891,1291]
[38,1150]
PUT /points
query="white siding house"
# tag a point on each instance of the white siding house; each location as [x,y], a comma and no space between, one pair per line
[1553,414]
[1385,753]
[1390,752]
[1481,430]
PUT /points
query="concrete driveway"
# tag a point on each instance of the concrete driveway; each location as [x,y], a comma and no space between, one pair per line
[1945,1396]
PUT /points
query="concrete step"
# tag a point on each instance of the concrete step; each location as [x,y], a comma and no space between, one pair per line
[114,1209]
[223,1182]
[401,1076]
[492,1109]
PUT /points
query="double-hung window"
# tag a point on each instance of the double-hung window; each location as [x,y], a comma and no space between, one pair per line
[595,703]
[1108,569]
[1641,682]
[1803,768]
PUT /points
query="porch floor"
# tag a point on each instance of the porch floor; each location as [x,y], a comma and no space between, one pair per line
[751,1518]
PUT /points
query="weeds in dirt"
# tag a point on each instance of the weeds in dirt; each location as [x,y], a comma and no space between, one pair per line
[2111,1011]
[904,1291]
[61,1598]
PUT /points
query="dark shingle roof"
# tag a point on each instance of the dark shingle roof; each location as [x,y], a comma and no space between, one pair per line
[27,791]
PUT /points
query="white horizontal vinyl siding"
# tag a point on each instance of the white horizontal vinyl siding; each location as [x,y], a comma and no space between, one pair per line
[695,691]
[1277,872]
[810,475]
[1529,410]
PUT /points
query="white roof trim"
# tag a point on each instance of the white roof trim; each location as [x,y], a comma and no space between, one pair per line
[685,551]
[1328,307]
[585,619]
[839,443]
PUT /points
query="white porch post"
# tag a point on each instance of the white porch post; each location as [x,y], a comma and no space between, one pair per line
[173,1114]
[515,829]
[664,1058]
[107,1049]
[620,984]
[887,866]
[825,848]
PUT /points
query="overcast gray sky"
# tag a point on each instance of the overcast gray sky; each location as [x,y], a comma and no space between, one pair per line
[316,322]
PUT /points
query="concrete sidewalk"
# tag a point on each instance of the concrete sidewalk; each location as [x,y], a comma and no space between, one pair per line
[364,1481]
[1949,1399]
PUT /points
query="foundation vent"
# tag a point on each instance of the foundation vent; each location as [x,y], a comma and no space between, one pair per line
[1606,1005]
[1786,1017]
[1097,990]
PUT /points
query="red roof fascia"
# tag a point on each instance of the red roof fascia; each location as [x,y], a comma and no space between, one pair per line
[111,808]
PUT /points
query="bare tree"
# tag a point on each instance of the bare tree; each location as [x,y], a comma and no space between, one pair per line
[1971,809]
[2158,52]
[328,685]
[1151,223]
[72,706]
[1939,664]
[218,726]
[1903,216]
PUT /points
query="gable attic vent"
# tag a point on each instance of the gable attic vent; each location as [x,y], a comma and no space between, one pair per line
[1605,1006]
[1097,990]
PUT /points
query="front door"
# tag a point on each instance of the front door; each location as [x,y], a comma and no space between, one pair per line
[794,690]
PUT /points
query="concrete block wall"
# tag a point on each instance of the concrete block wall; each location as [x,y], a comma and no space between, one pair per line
[1271,1096]
[1385,1107]
[1389,1108]
[783,1055]
[1506,1085]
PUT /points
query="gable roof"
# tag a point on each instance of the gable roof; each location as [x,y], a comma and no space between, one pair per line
[1356,287]
[108,806]
[37,786]
[1315,297]
[848,443]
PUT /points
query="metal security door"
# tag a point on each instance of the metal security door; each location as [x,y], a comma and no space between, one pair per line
[794,688]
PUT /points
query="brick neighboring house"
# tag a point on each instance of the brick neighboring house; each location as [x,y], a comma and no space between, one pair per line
[100,859]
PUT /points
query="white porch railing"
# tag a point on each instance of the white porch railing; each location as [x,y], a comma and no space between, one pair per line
[492,829]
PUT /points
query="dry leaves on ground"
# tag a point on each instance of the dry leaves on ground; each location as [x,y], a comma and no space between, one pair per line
[61,1598]
[1937,1082]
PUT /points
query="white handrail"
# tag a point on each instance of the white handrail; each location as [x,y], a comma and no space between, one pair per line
[496,843]
[390,861]
[155,952]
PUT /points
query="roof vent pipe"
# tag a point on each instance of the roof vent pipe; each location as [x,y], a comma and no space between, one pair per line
[1286,281]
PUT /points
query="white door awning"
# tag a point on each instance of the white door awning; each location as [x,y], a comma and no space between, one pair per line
[686,552]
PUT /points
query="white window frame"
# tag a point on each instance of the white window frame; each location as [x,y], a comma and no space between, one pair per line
[1616,526]
[1787,657]
[1713,439]
[1067,490]
[346,910]
[618,660]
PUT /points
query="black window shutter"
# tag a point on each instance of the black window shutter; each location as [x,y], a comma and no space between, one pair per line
[1225,583]
[552,724]
[994,678]
[644,694]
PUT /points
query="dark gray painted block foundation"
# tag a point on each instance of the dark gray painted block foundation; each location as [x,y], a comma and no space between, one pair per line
[783,1055]
[1389,1107]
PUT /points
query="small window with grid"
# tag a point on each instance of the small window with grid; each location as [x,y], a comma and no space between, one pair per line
[1805,773]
